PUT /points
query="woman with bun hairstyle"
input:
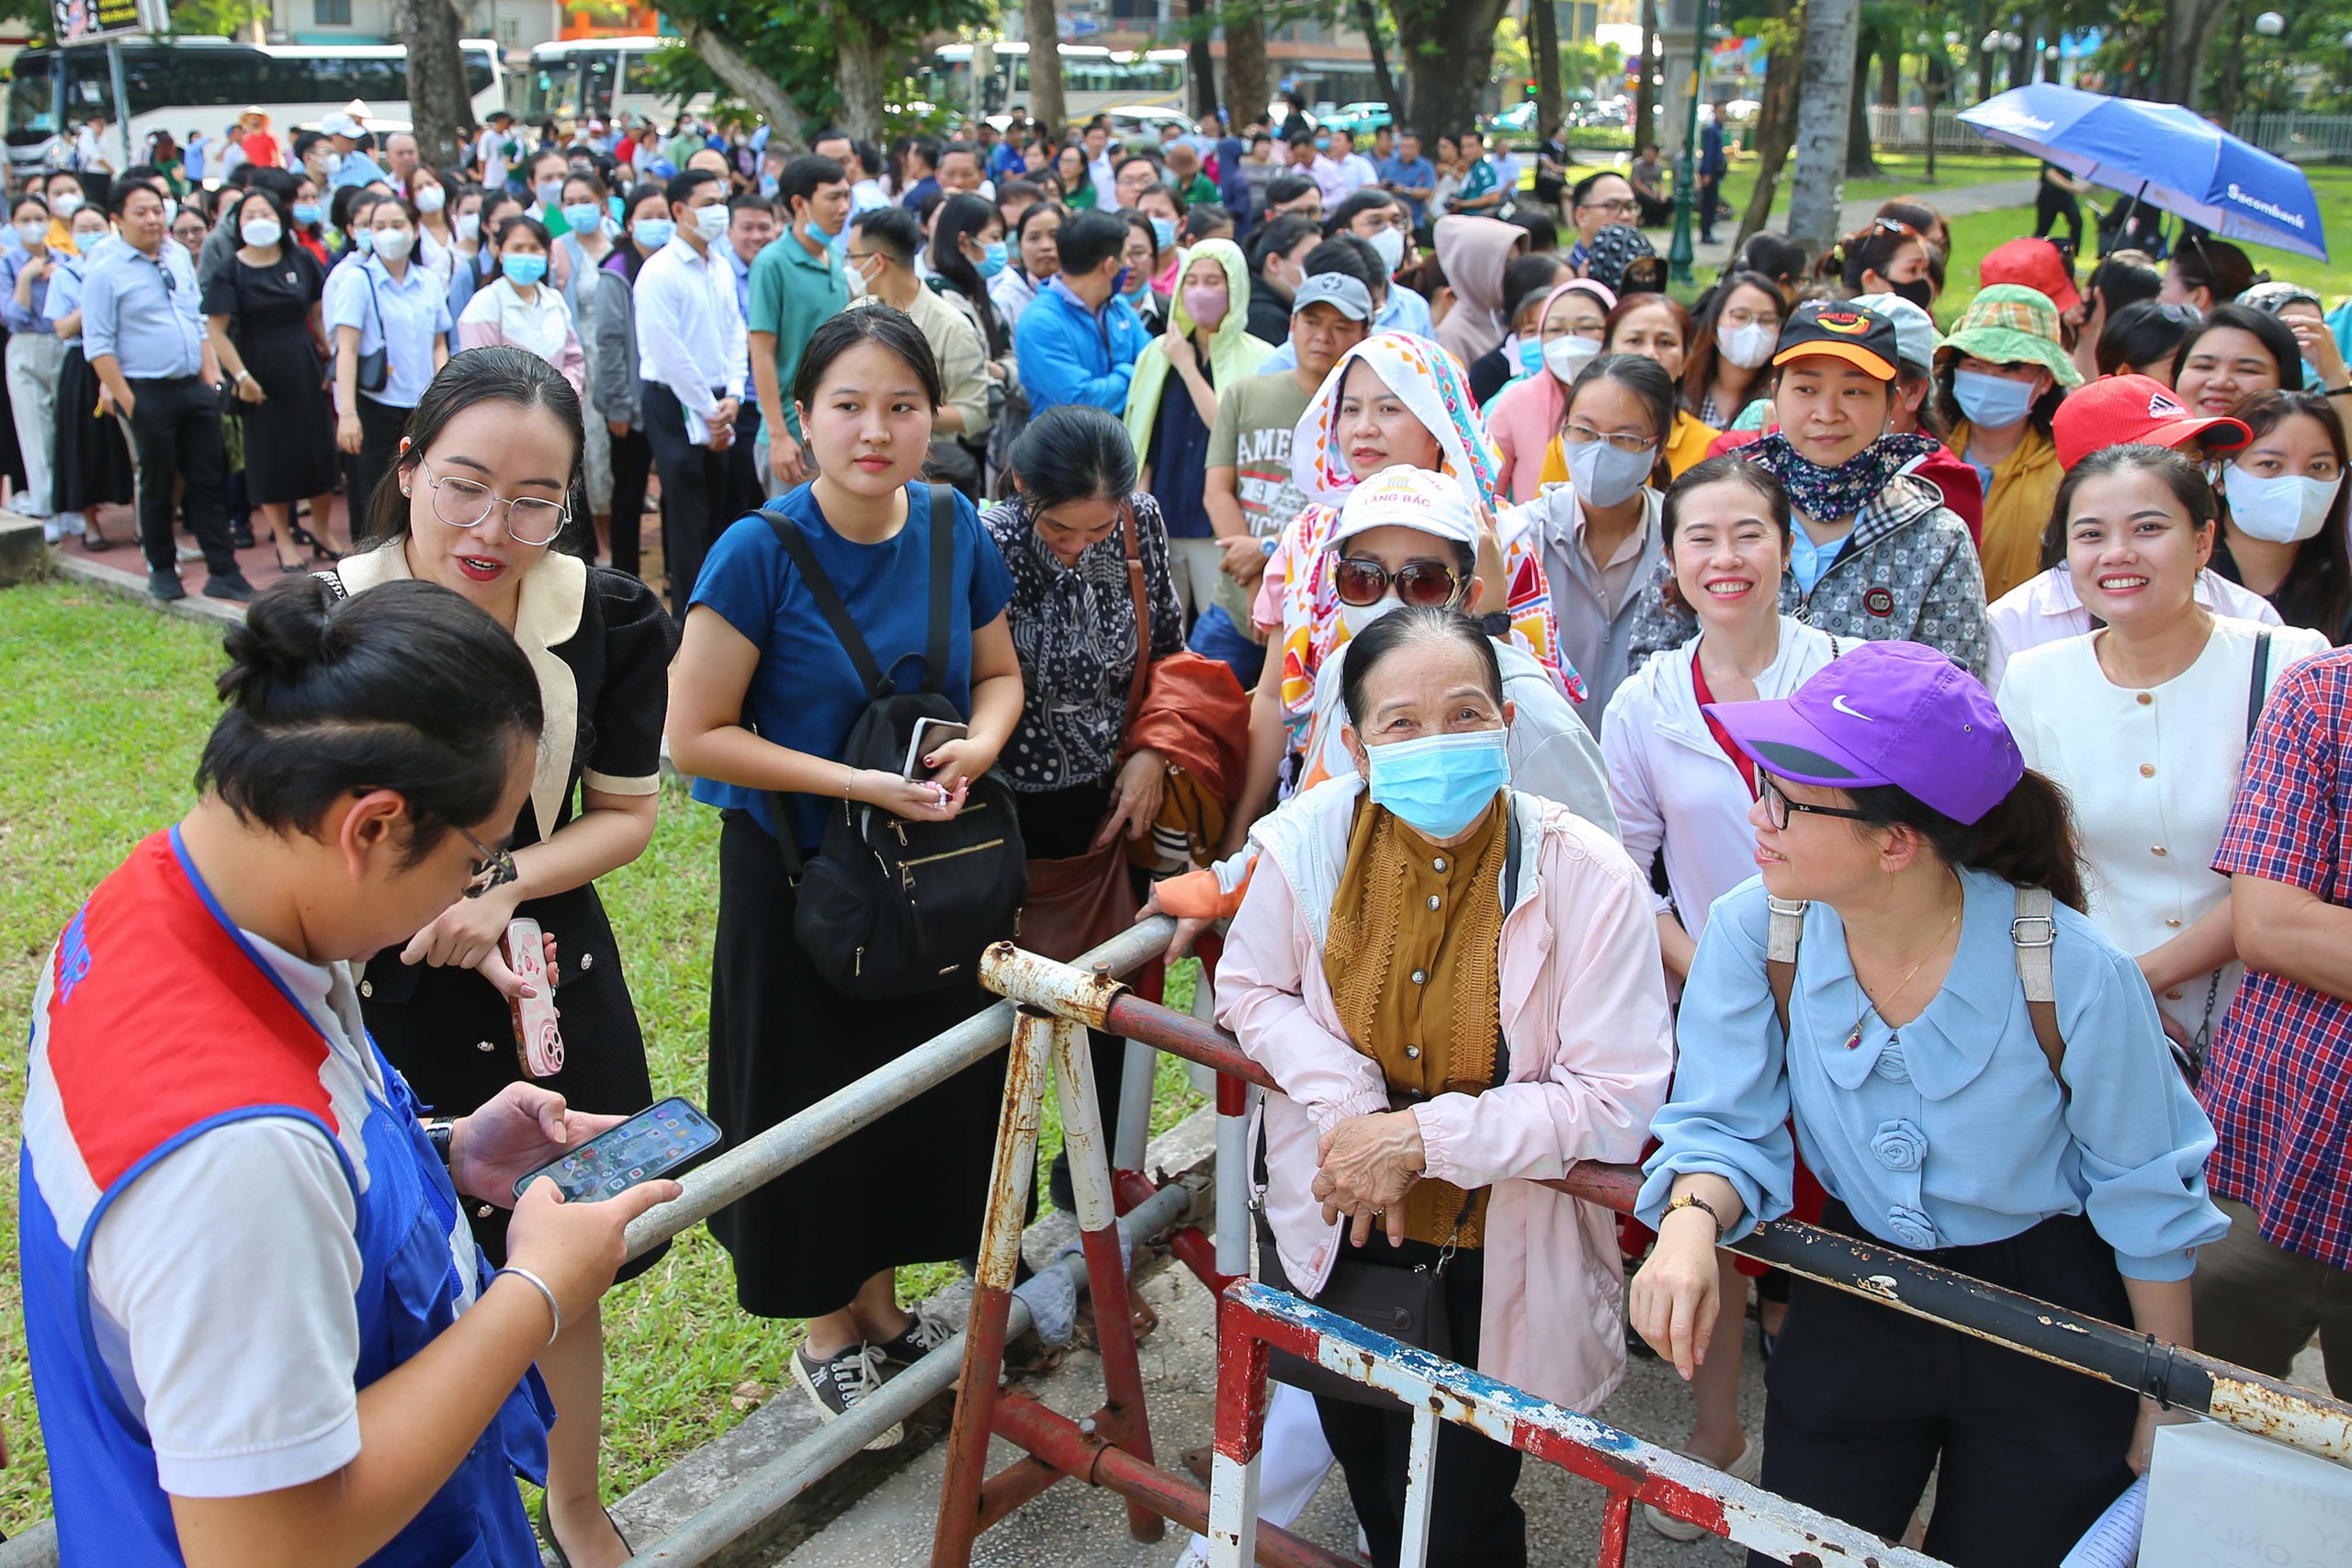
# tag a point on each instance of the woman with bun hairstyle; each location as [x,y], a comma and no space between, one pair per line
[2143,339]
[480,490]
[2283,511]
[1887,255]
[1919,878]
[2207,272]
[227,1181]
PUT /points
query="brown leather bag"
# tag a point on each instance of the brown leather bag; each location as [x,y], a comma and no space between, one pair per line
[1082,901]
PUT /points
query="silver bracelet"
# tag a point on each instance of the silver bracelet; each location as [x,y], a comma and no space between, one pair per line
[553,1311]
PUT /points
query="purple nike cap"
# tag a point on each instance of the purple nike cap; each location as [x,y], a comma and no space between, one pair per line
[1885,712]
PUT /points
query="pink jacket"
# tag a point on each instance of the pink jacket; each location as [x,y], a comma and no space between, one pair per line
[1522,418]
[1591,1056]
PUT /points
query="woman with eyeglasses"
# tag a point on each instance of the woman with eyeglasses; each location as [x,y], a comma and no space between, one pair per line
[227,1182]
[479,492]
[1561,335]
[1726,370]
[1978,1077]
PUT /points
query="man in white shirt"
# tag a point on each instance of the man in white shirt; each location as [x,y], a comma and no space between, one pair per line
[1355,170]
[90,154]
[696,358]
[866,192]
[493,148]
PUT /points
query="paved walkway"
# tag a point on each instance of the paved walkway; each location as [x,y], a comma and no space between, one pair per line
[1952,201]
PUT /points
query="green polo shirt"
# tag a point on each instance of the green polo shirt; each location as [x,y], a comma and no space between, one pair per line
[792,293]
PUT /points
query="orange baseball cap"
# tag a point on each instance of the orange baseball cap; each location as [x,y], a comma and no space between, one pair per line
[1858,336]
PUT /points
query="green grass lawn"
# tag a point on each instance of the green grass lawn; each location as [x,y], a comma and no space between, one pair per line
[105,708]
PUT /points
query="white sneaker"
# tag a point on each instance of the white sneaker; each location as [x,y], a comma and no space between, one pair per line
[1747,1467]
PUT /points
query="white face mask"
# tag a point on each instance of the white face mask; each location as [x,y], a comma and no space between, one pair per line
[1390,245]
[1603,475]
[712,221]
[261,232]
[1747,345]
[171,211]
[66,205]
[469,225]
[394,244]
[1355,617]
[34,232]
[1563,356]
[432,199]
[2284,511]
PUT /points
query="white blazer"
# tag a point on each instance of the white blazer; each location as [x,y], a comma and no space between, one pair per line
[1673,785]
[2045,608]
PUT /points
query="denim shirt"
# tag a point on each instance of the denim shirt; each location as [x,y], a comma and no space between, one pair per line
[1950,1131]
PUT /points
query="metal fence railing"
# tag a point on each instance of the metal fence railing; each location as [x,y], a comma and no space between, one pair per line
[2299,138]
[1904,127]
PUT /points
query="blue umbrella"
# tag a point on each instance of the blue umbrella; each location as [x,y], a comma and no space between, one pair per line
[2162,154]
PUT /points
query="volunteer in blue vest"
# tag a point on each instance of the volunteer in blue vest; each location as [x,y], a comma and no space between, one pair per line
[259,1328]
[1926,883]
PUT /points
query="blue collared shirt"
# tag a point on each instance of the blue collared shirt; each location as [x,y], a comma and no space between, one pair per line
[1950,1131]
[744,304]
[17,317]
[143,310]
[356,169]
[406,318]
[65,284]
[1415,174]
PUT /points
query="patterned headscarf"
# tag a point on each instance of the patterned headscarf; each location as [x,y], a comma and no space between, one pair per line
[1430,382]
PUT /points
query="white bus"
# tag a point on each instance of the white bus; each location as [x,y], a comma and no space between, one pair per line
[1093,79]
[203,84]
[598,78]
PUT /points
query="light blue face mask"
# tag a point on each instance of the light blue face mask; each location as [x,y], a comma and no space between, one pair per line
[1163,231]
[1991,402]
[522,271]
[363,240]
[993,257]
[1531,356]
[584,217]
[306,212]
[1438,785]
[653,233]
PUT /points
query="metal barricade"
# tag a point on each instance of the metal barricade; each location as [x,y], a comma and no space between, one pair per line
[1111,1449]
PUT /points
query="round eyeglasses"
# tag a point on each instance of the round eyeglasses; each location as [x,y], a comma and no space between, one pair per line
[464,504]
[1426,584]
[492,868]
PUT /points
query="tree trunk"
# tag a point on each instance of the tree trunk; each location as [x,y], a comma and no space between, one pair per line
[1449,48]
[1859,162]
[1544,43]
[1046,106]
[746,81]
[438,101]
[2232,94]
[1890,71]
[1645,84]
[1824,91]
[1200,21]
[1775,130]
[1248,89]
[1368,23]
[861,73]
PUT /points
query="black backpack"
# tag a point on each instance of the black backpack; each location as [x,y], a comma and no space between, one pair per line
[891,907]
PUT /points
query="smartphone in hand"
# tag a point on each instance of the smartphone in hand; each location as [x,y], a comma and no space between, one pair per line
[537,1041]
[650,1146]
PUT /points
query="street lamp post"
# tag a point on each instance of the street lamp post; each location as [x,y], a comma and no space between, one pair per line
[1679,251]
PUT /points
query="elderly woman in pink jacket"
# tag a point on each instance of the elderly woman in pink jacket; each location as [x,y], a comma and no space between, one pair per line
[1458,989]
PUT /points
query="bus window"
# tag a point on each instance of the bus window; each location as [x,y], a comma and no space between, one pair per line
[32,95]
[87,85]
[602,69]
[641,72]
[372,81]
[146,77]
[479,72]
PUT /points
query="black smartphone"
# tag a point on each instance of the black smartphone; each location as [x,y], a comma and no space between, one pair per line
[651,1144]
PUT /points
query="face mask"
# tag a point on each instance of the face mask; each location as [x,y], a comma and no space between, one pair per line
[619,210]
[1439,784]
[1991,402]
[1119,282]
[584,217]
[67,205]
[307,213]
[1355,617]
[171,211]
[261,232]
[1322,144]
[521,270]
[1919,291]
[468,225]
[1563,356]
[1163,231]
[364,242]
[549,193]
[431,199]
[2284,511]
[711,222]
[1206,306]
[394,244]
[1390,245]
[1747,345]
[769,185]
[1603,476]
[994,256]
[34,232]
[1525,353]
[653,233]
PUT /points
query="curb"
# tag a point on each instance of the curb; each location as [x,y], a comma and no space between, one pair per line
[126,584]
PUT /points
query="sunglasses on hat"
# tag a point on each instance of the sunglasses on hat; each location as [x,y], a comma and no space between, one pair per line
[1424,584]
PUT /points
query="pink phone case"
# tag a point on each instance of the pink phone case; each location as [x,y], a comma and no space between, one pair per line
[537,1041]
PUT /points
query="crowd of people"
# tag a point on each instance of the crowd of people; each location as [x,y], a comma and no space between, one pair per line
[1883,775]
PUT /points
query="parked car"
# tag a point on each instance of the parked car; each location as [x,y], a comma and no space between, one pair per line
[1137,125]
[1519,119]
[1360,118]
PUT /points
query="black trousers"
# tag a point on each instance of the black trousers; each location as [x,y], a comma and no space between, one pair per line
[380,425]
[175,429]
[1473,1521]
[1711,190]
[1862,1402]
[743,490]
[695,491]
[2050,205]
[632,466]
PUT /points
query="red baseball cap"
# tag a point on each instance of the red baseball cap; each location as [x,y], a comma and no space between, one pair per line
[2037,264]
[2118,410]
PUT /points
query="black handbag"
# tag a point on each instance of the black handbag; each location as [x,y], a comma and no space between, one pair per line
[1406,1304]
[375,369]
[890,907]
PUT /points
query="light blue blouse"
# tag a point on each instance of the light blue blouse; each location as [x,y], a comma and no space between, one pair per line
[1950,1131]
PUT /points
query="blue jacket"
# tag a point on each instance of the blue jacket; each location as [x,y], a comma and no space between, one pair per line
[1070,356]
